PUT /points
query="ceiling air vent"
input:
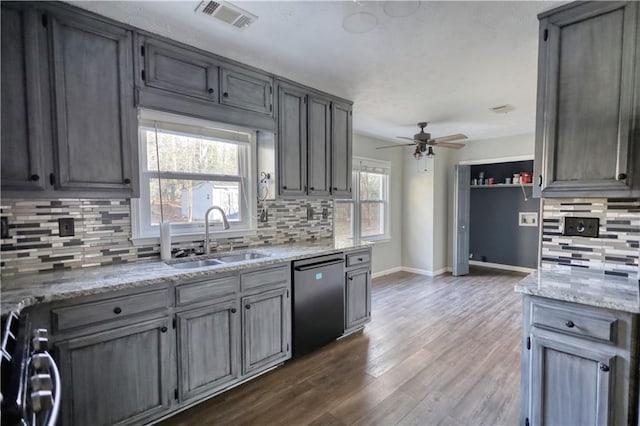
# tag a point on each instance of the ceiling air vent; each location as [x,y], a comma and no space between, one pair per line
[227,13]
[502,109]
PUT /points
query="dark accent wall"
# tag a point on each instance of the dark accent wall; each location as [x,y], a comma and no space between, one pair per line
[494,234]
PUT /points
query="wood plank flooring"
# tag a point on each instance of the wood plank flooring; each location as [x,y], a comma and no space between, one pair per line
[443,350]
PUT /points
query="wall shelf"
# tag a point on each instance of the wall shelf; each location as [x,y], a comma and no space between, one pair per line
[502,185]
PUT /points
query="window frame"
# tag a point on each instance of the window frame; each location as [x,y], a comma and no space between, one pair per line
[361,165]
[145,233]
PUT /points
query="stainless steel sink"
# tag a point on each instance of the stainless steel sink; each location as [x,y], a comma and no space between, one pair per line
[240,257]
[192,264]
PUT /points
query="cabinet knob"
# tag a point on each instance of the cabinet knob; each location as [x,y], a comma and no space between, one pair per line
[163,329]
[312,188]
[127,181]
[335,188]
[350,278]
[210,90]
[622,176]
[570,324]
[233,310]
[225,94]
[284,186]
[604,367]
[360,259]
[247,306]
[34,178]
[117,310]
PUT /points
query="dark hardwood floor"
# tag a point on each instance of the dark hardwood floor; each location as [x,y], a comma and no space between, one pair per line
[443,350]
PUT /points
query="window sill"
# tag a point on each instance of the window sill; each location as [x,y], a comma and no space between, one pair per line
[381,239]
[191,237]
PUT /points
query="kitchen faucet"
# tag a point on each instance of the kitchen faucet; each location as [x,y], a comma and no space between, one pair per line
[225,225]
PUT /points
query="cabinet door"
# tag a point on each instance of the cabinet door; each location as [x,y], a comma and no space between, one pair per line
[93,96]
[266,330]
[116,376]
[246,89]
[292,141]
[208,348]
[341,141]
[570,385]
[22,127]
[358,298]
[179,70]
[319,146]
[585,132]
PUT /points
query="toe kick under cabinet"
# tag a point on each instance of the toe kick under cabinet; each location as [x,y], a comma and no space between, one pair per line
[134,356]
[579,365]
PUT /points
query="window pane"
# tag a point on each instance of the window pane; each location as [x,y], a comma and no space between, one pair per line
[191,154]
[371,219]
[186,201]
[343,220]
[371,186]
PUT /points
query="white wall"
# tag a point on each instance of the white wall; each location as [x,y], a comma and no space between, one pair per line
[386,255]
[488,149]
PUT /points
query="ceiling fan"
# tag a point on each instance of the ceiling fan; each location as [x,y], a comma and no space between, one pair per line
[424,143]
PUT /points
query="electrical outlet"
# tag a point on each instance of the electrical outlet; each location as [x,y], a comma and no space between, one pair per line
[66,227]
[325,213]
[581,226]
[264,216]
[5,228]
[310,213]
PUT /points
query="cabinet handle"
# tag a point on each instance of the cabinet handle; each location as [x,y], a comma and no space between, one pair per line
[622,176]
[233,310]
[127,181]
[360,259]
[210,90]
[540,181]
[117,310]
[604,367]
[312,188]
[350,278]
[164,329]
[284,186]
[570,324]
[335,188]
[247,306]
[52,179]
[34,178]
[225,94]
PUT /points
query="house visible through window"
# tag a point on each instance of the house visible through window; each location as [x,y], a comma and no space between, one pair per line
[187,166]
[366,216]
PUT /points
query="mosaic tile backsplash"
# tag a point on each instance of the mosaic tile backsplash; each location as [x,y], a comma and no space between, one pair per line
[103,232]
[615,252]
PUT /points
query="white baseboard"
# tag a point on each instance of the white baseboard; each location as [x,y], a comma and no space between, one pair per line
[425,272]
[386,272]
[500,266]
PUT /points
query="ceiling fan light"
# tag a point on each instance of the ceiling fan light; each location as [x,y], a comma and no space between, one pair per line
[359,22]
[430,152]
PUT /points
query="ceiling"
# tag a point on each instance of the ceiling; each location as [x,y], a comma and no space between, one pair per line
[448,63]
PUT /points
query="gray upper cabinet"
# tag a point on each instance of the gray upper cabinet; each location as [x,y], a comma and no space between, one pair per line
[292,140]
[23,136]
[208,348]
[266,329]
[178,70]
[93,105]
[588,130]
[246,89]
[319,146]
[358,298]
[341,146]
[123,375]
[572,385]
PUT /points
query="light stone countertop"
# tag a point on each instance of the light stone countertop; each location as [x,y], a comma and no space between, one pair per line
[587,288]
[17,293]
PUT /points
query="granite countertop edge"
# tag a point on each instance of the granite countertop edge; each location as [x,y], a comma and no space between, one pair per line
[599,290]
[23,291]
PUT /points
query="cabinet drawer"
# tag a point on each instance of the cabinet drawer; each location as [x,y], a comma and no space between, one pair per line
[360,258]
[203,290]
[265,277]
[95,312]
[574,321]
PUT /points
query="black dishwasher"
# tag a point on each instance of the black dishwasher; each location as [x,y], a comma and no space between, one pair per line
[318,302]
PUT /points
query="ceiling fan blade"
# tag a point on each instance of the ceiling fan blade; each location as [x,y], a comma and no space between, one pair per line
[395,146]
[449,145]
[402,137]
[451,138]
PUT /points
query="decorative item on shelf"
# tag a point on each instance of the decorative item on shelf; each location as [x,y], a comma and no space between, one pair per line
[516,178]
[490,181]
[526,177]
[507,181]
[474,182]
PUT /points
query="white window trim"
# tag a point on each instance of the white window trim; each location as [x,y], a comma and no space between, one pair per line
[195,232]
[363,162]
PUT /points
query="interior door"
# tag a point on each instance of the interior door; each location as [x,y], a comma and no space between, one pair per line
[461,220]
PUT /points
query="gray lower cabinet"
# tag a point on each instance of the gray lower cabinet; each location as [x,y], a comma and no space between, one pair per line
[266,329]
[358,298]
[119,376]
[23,136]
[208,348]
[319,146]
[579,365]
[292,140]
[341,147]
[588,130]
